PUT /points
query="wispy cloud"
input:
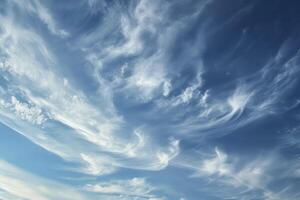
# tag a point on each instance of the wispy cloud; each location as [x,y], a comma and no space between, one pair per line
[132,188]
[37,8]
[246,179]
[25,111]
[18,184]
[119,88]
[46,95]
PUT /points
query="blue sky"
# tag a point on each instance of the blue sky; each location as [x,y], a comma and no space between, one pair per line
[149,100]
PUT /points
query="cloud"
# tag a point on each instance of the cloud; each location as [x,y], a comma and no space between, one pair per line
[135,86]
[48,103]
[144,19]
[25,111]
[35,7]
[246,178]
[216,165]
[189,93]
[252,175]
[147,79]
[14,183]
[132,188]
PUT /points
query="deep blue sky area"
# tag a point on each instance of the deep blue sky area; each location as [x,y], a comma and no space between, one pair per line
[149,100]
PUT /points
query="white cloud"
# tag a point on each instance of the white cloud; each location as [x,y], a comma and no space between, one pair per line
[30,113]
[189,93]
[243,178]
[97,166]
[167,87]
[251,176]
[135,187]
[46,105]
[31,71]
[145,18]
[148,78]
[239,100]
[19,184]
[36,7]
[217,165]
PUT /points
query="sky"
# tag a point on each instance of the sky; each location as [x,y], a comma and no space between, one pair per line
[149,100]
